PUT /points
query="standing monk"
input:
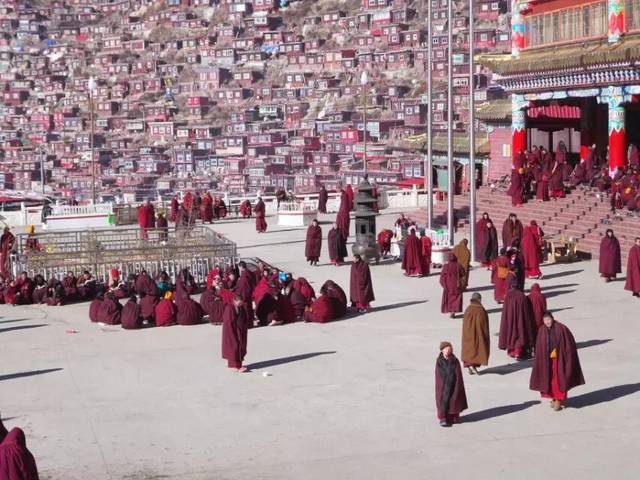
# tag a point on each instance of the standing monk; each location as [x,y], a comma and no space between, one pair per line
[517,326]
[489,247]
[175,206]
[360,287]
[556,368]
[412,261]
[538,304]
[206,208]
[511,230]
[6,245]
[163,228]
[260,211]
[337,245]
[313,245]
[475,335]
[481,233]
[451,278]
[343,219]
[323,197]
[143,220]
[462,253]
[349,191]
[235,326]
[245,288]
[451,398]
[532,250]
[633,269]
[610,262]
[426,247]
[516,189]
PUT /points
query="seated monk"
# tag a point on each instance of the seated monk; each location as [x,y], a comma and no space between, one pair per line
[39,290]
[95,305]
[16,461]
[11,293]
[86,286]
[384,241]
[166,311]
[212,305]
[163,283]
[25,289]
[55,293]
[69,283]
[298,302]
[148,291]
[189,311]
[267,309]
[110,310]
[130,318]
[335,292]
[320,311]
[285,309]
[185,285]
[302,285]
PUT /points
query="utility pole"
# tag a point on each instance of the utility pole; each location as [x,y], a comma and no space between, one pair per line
[472,137]
[42,157]
[428,167]
[450,169]
[364,80]
[91,87]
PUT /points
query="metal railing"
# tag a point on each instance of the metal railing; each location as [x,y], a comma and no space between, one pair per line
[127,249]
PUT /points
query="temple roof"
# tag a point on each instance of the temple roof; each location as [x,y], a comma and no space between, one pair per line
[460,143]
[575,55]
[495,110]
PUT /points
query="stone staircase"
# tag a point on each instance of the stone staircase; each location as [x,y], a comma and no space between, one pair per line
[585,215]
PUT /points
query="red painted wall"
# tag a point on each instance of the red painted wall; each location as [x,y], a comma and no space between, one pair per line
[499,164]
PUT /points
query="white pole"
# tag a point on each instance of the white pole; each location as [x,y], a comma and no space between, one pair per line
[428,168]
[472,137]
[450,169]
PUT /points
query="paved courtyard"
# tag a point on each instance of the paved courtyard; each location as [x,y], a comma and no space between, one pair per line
[346,400]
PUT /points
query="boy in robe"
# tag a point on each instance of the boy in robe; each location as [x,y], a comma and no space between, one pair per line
[16,461]
[206,208]
[481,233]
[538,304]
[175,206]
[166,311]
[517,326]
[189,311]
[337,245]
[245,288]
[556,367]
[149,294]
[610,262]
[350,195]
[360,286]
[235,327]
[313,244]
[463,255]
[86,286]
[451,398]
[185,285]
[633,269]
[260,211]
[212,305]
[130,318]
[412,261]
[475,335]
[32,244]
[451,280]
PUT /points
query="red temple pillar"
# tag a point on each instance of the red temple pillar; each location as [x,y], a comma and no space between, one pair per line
[518,125]
[617,136]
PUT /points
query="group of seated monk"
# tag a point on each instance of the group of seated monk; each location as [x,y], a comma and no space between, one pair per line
[270,297]
[24,290]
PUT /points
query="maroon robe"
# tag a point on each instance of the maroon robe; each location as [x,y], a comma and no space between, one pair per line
[206,208]
[481,237]
[130,316]
[3,431]
[532,249]
[165,313]
[384,241]
[212,305]
[451,398]
[538,304]
[336,293]
[189,312]
[343,218]
[163,228]
[313,245]
[149,293]
[610,262]
[323,197]
[489,247]
[175,206]
[517,325]
[413,263]
[6,244]
[235,327]
[267,309]
[426,248]
[320,311]
[16,461]
[184,286]
[298,303]
[285,311]
[510,232]
[452,282]
[633,270]
[302,285]
[245,209]
[244,289]
[349,191]
[360,285]
[94,308]
[516,189]
[556,181]
[337,246]
[260,211]
[69,284]
[110,310]
[568,373]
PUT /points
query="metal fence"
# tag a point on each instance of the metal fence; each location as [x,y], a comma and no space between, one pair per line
[198,248]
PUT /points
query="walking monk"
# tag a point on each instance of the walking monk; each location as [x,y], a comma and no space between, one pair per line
[323,197]
[235,326]
[532,250]
[451,398]
[610,263]
[451,279]
[313,245]
[517,327]
[475,335]
[260,211]
[337,245]
[556,368]
[426,248]
[511,231]
[360,287]
[633,269]
[412,261]
[462,253]
[538,304]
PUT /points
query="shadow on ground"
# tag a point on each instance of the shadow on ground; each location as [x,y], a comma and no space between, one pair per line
[498,411]
[30,373]
[602,396]
[22,327]
[283,360]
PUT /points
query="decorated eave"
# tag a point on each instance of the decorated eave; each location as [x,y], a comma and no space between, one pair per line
[496,111]
[580,65]
[440,143]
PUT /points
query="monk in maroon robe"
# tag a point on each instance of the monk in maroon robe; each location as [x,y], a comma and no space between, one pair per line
[384,241]
[260,211]
[70,285]
[343,218]
[511,230]
[451,398]
[323,197]
[532,241]
[185,285]
[337,245]
[130,318]
[481,234]
[175,206]
[144,215]
[245,209]
[188,312]
[110,310]
[516,188]
[349,192]
[212,305]
[301,285]
[452,282]
[489,248]
[475,335]
[245,288]
[166,311]
[235,327]
[149,294]
[412,260]
[426,247]
[16,461]
[284,309]
[94,306]
[338,297]
[320,311]
[313,245]
[556,368]
[633,269]
[517,325]
[610,262]
[556,181]
[7,240]
[163,228]
[360,287]
[206,208]
[538,304]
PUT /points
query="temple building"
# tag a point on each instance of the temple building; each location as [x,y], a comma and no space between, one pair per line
[573,76]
